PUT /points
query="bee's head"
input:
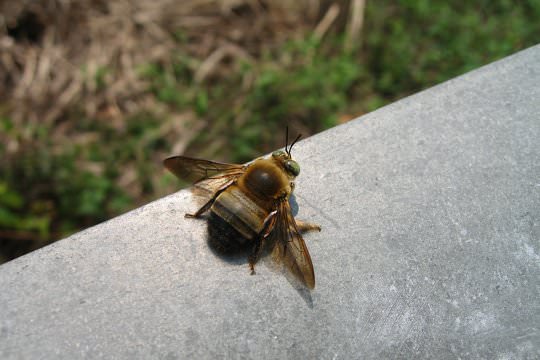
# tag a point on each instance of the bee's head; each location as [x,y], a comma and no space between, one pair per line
[285,159]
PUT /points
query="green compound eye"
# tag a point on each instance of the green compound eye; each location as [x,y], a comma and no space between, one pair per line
[278,153]
[292,167]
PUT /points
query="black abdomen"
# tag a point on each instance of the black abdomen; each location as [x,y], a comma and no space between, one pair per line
[223,237]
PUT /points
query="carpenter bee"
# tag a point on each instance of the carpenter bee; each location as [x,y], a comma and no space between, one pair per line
[249,206]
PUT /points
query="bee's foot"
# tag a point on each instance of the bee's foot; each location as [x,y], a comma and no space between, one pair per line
[305,226]
[190,216]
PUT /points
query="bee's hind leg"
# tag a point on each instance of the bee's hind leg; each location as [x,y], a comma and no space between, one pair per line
[268,225]
[203,209]
[304,226]
[209,203]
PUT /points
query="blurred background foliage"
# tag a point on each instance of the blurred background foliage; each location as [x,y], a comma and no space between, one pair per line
[95,93]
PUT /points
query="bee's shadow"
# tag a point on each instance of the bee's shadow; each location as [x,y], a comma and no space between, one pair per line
[226,243]
[294,205]
[237,256]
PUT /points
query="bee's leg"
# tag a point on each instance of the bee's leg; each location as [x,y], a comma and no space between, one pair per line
[203,209]
[268,225]
[304,226]
[209,203]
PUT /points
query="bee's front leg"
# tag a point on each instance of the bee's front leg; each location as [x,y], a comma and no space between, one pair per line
[304,226]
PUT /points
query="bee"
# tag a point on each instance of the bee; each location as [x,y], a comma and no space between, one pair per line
[249,206]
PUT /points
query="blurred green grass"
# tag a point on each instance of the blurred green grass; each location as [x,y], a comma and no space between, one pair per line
[56,186]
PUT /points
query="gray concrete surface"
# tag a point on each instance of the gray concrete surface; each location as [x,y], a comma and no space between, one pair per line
[430,249]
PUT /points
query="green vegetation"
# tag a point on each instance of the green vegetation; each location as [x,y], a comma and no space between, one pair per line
[65,176]
[417,43]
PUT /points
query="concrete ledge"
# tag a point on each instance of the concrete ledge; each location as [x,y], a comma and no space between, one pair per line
[430,249]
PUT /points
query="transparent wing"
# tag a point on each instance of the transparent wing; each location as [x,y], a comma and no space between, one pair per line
[194,170]
[290,248]
[207,176]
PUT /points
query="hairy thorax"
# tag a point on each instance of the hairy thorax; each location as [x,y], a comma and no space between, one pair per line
[265,180]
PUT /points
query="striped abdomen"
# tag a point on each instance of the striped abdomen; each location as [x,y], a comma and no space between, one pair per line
[240,212]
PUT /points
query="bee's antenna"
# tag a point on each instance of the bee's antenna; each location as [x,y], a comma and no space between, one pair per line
[294,142]
[288,150]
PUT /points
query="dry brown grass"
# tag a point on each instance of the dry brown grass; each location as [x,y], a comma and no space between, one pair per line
[52,51]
